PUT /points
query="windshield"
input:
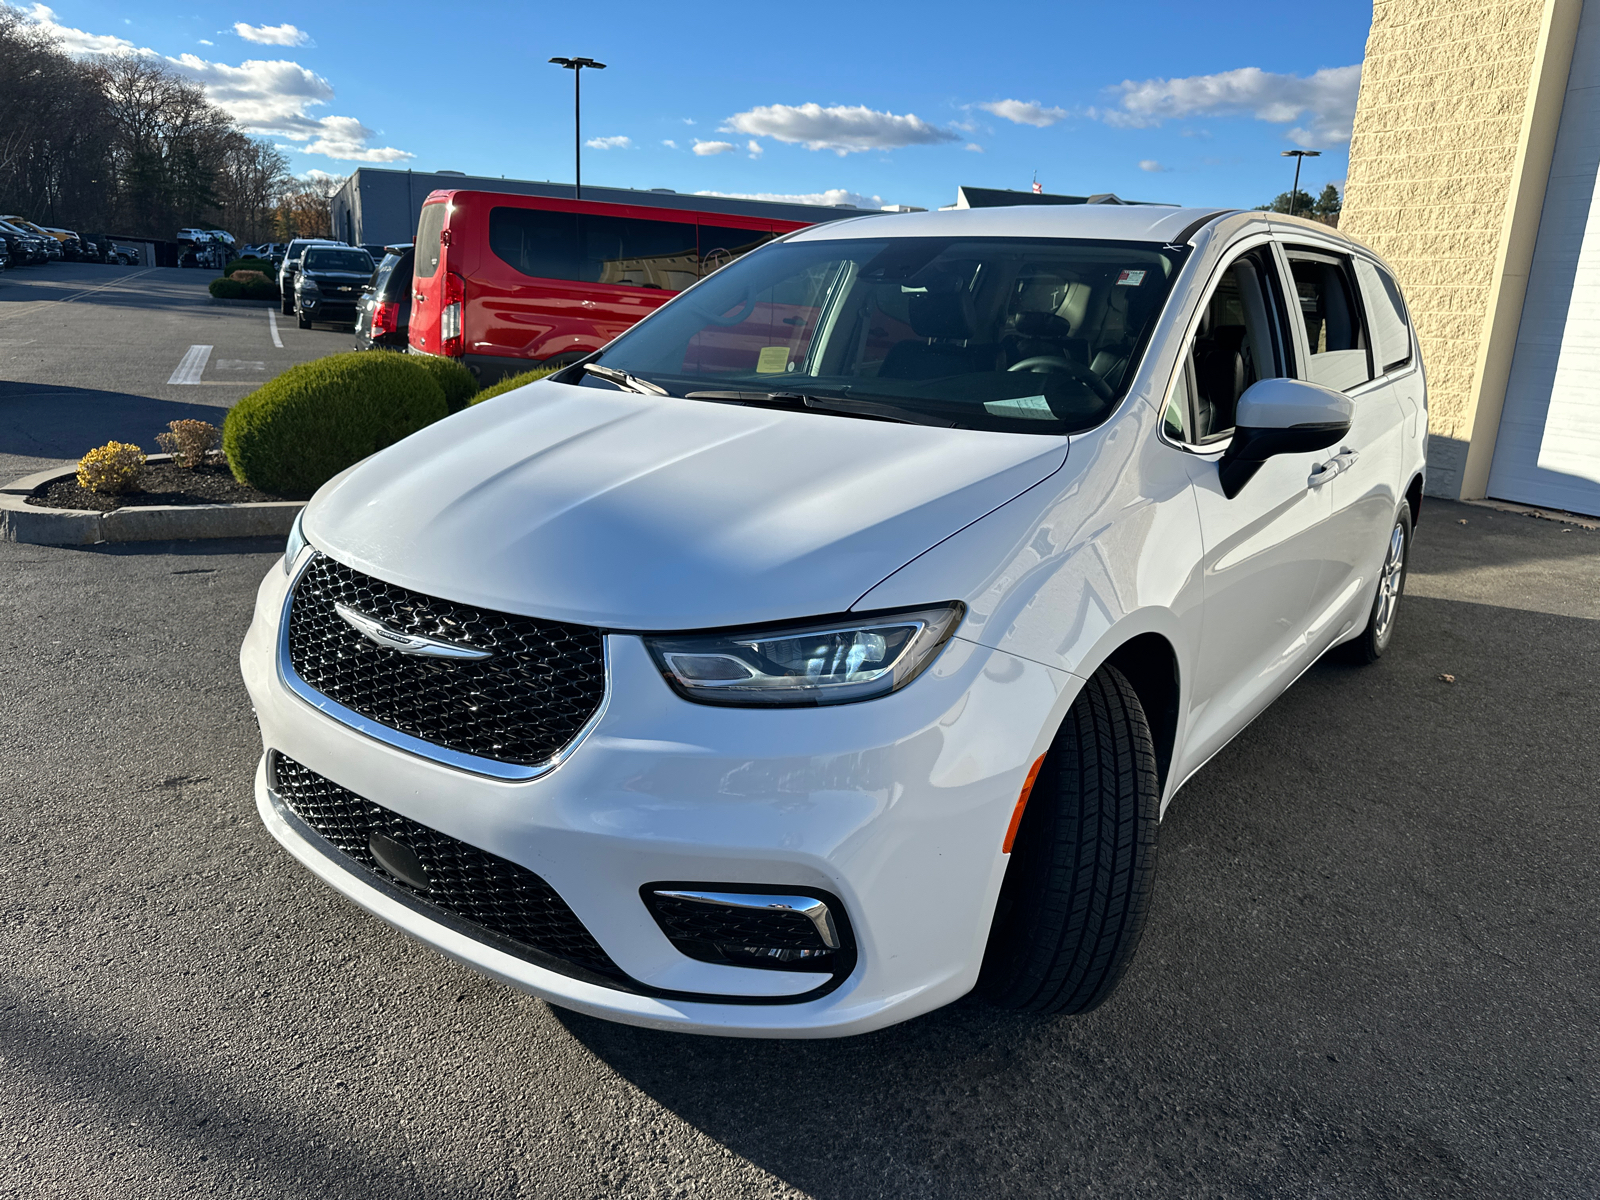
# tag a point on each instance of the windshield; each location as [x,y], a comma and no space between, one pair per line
[1026,336]
[318,258]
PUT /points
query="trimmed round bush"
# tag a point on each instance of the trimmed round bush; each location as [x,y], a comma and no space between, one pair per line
[301,429]
[227,289]
[457,382]
[511,383]
[249,288]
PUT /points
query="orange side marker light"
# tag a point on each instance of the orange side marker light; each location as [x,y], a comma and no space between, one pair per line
[1022,803]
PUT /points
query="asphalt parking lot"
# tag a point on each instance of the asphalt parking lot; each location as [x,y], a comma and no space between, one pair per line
[1370,969]
[87,353]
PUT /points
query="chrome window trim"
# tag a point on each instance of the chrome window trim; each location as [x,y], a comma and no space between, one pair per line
[472,763]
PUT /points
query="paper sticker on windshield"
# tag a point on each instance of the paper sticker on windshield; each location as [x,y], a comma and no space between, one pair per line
[1033,408]
[773,360]
[1130,279]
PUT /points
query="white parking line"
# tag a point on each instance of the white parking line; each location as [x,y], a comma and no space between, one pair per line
[272,321]
[192,366]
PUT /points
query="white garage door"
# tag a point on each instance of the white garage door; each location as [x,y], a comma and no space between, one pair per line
[1548,451]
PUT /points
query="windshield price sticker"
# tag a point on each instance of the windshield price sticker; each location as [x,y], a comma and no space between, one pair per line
[1130,279]
[773,360]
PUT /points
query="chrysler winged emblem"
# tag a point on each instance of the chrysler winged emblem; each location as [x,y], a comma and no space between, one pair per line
[415,644]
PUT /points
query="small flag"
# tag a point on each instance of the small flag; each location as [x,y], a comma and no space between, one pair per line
[1038,188]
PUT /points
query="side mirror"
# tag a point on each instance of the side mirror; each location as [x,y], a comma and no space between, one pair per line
[1281,416]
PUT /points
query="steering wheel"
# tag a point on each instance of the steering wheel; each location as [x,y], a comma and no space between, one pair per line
[1044,363]
[738,317]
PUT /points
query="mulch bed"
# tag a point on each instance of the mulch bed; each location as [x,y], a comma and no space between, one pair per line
[159,483]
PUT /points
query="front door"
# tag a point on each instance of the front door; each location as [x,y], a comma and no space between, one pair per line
[1264,547]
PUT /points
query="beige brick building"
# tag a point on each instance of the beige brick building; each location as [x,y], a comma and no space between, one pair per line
[1472,170]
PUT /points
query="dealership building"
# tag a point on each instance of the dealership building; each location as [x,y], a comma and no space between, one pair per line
[1473,169]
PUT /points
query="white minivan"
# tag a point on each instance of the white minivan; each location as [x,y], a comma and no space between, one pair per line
[829,645]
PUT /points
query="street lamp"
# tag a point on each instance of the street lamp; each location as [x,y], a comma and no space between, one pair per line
[1299,156]
[576,66]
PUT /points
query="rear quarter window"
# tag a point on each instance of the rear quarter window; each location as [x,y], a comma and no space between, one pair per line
[1386,314]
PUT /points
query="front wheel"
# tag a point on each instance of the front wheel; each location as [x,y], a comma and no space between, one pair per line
[301,319]
[1078,887]
[1369,645]
[286,305]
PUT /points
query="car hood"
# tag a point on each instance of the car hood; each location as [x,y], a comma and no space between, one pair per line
[336,276]
[638,512]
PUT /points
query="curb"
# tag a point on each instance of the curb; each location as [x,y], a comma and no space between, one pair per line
[243,303]
[23,522]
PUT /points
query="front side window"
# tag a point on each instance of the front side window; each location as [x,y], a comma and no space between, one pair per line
[1336,340]
[1239,341]
[1025,336]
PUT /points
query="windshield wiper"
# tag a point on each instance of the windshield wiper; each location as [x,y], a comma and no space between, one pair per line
[628,383]
[865,409]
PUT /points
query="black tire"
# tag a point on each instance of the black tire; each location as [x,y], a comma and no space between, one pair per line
[1369,646]
[286,306]
[1083,866]
[301,319]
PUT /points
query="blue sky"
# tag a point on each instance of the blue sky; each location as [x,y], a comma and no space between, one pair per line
[890,104]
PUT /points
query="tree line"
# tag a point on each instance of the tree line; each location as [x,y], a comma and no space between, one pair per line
[126,145]
[1323,207]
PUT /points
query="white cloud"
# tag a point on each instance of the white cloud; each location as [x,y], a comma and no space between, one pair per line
[831,196]
[609,143]
[1024,112]
[688,120]
[272,98]
[205,42]
[78,43]
[704,149]
[841,129]
[1324,101]
[272,35]
[1151,165]
[669,143]
[756,148]
[974,147]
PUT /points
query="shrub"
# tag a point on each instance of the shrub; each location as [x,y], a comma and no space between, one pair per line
[189,442]
[249,287]
[111,469]
[512,382]
[456,381]
[248,264]
[301,429]
[247,276]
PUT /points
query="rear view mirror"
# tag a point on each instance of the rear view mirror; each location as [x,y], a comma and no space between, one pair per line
[1281,416]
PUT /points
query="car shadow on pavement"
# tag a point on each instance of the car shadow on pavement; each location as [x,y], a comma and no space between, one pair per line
[40,420]
[1338,992]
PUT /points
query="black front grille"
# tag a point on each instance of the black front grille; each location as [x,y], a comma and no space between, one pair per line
[472,885]
[545,681]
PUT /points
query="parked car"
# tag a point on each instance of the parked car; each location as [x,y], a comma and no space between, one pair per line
[51,244]
[329,283]
[383,315]
[25,246]
[525,280]
[291,265]
[5,254]
[377,251]
[796,676]
[71,243]
[127,255]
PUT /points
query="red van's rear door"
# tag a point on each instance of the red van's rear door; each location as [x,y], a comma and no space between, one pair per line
[428,275]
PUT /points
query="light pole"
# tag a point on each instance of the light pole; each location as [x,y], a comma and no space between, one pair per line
[1299,157]
[576,66]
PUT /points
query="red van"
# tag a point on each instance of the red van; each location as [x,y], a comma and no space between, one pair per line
[504,282]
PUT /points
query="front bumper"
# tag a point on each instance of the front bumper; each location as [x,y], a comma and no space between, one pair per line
[329,308]
[896,806]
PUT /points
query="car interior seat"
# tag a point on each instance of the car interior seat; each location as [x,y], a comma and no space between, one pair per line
[942,312]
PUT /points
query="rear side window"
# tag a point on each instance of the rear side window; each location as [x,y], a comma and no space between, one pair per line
[1335,337]
[429,229]
[592,248]
[394,276]
[1386,313]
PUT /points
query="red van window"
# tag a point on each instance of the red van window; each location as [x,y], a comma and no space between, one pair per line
[720,245]
[429,228]
[590,248]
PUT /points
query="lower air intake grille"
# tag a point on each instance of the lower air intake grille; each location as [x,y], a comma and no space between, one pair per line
[498,896]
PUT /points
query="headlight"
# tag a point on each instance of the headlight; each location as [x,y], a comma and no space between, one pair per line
[836,662]
[308,284]
[296,543]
